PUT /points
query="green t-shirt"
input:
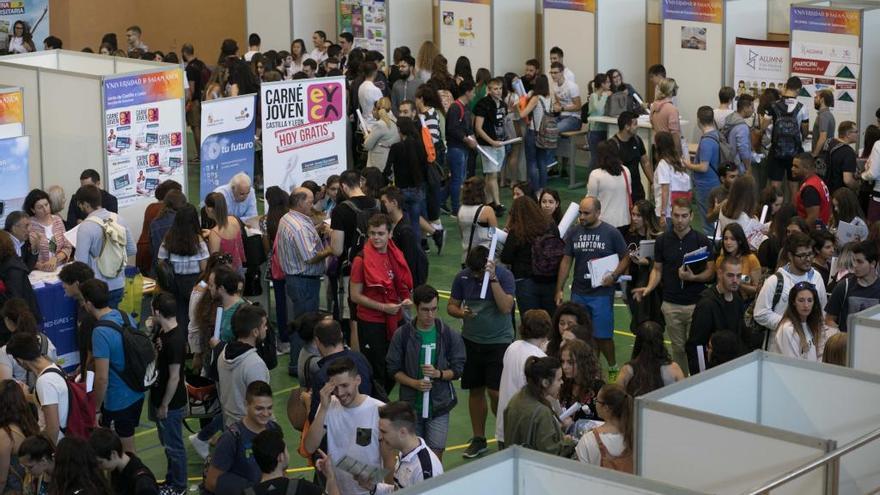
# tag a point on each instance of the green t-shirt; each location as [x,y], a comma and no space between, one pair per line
[429,341]
[226,334]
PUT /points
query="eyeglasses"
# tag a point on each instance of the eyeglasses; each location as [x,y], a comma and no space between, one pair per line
[803,256]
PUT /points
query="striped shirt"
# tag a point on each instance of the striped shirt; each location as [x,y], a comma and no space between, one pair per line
[298,242]
[185,264]
[432,122]
[413,468]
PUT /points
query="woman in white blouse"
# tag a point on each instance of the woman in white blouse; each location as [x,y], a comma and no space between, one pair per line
[611,183]
[381,134]
[801,332]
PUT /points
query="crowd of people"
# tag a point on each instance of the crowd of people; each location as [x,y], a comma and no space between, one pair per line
[760,221]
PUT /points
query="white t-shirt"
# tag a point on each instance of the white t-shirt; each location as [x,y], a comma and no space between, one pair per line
[20,373]
[368,95]
[720,116]
[318,56]
[345,426]
[614,192]
[569,75]
[565,94]
[52,389]
[248,55]
[587,449]
[513,378]
[677,181]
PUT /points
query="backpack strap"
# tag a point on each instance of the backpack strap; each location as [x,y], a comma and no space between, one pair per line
[460,107]
[718,141]
[115,326]
[474,228]
[63,375]
[777,295]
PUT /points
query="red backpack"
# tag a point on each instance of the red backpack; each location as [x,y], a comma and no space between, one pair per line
[80,408]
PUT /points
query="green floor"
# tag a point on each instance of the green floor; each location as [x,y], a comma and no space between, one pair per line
[442,271]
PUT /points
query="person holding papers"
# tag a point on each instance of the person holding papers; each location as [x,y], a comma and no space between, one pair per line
[847,217]
[684,260]
[489,115]
[241,201]
[643,231]
[600,257]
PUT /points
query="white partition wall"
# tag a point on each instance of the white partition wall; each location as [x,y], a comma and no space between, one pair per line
[863,340]
[620,39]
[409,24]
[464,28]
[870,100]
[513,30]
[520,471]
[571,25]
[273,21]
[742,19]
[693,52]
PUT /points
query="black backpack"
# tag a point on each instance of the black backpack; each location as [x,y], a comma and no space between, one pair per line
[140,355]
[823,161]
[786,138]
[363,217]
[547,252]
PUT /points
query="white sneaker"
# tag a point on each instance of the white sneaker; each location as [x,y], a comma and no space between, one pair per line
[282,348]
[201,447]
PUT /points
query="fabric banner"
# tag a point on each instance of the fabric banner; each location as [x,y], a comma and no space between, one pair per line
[228,126]
[11,112]
[366,20]
[304,130]
[824,20]
[59,322]
[711,11]
[578,5]
[759,65]
[15,172]
[33,13]
[144,133]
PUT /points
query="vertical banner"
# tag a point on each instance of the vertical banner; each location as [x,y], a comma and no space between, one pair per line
[367,21]
[466,30]
[228,126]
[59,322]
[144,133]
[35,16]
[759,65]
[11,112]
[825,54]
[304,128]
[14,171]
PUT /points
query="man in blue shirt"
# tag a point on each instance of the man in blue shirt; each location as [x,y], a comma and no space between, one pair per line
[240,198]
[705,170]
[592,239]
[115,401]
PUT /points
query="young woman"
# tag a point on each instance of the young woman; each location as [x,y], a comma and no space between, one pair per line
[824,247]
[600,90]
[612,184]
[643,227]
[17,317]
[739,207]
[566,319]
[475,217]
[46,232]
[512,129]
[526,224]
[297,57]
[21,40]
[480,86]
[735,245]
[277,204]
[651,367]
[529,420]
[17,422]
[664,114]
[581,381]
[408,163]
[551,205]
[846,208]
[537,158]
[186,251]
[76,470]
[770,250]
[381,135]
[617,83]
[835,350]
[425,60]
[671,179]
[242,79]
[801,332]
[610,445]
[772,199]
[225,236]
[522,188]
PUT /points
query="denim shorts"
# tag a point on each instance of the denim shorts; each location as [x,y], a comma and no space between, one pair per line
[433,431]
[601,309]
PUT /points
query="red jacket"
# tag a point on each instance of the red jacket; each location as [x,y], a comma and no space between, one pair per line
[816,183]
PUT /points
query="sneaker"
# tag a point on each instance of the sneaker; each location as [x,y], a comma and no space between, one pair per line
[201,447]
[439,237]
[425,247]
[476,448]
[166,489]
[613,371]
[282,348]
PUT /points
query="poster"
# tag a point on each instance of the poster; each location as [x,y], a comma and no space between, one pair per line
[824,20]
[579,5]
[144,133]
[366,20]
[228,126]
[759,65]
[466,30]
[15,173]
[59,323]
[304,128]
[710,11]
[11,112]
[34,14]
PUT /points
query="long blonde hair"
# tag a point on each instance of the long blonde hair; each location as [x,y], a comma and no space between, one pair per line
[667,88]
[425,58]
[382,111]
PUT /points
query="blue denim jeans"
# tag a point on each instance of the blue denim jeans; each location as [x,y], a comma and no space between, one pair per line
[702,192]
[170,431]
[456,159]
[568,123]
[537,160]
[305,297]
[211,429]
[595,137]
[535,295]
[278,287]
[414,207]
[433,431]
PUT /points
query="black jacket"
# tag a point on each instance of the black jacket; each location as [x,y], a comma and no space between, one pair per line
[14,275]
[108,201]
[709,317]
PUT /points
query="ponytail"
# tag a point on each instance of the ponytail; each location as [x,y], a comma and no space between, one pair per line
[596,83]
[536,371]
[621,405]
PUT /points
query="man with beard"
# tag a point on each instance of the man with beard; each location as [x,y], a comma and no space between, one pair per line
[405,87]
[239,365]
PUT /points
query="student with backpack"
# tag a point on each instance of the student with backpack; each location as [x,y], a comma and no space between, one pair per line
[789,119]
[737,134]
[103,242]
[120,374]
[540,124]
[128,474]
[272,457]
[706,168]
[460,139]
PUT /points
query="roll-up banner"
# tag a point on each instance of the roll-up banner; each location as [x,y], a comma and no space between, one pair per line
[11,112]
[760,65]
[227,148]
[304,128]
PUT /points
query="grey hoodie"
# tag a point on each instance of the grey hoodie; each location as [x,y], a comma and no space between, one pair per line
[736,131]
[239,365]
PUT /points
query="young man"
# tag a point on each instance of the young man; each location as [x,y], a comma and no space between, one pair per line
[271,456]
[738,133]
[589,240]
[684,277]
[224,284]
[489,114]
[632,152]
[118,404]
[728,173]
[824,125]
[253,47]
[417,463]
[726,96]
[71,276]
[133,37]
[232,466]
[381,287]
[813,201]
[533,68]
[368,93]
[241,201]
[239,365]
[319,41]
[407,110]
[36,454]
[841,159]
[705,169]
[310,68]
[425,357]
[557,55]
[785,145]
[51,387]
[168,398]
[403,235]
[656,74]
[405,87]
[858,292]
[128,474]
[195,69]
[350,421]
[328,340]
[720,308]
[567,99]
[487,330]
[798,251]
[346,43]
[460,140]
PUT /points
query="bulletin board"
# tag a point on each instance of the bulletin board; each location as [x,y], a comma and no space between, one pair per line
[367,21]
[464,28]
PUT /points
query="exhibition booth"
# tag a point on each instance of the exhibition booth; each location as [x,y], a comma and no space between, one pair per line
[863,340]
[748,421]
[520,471]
